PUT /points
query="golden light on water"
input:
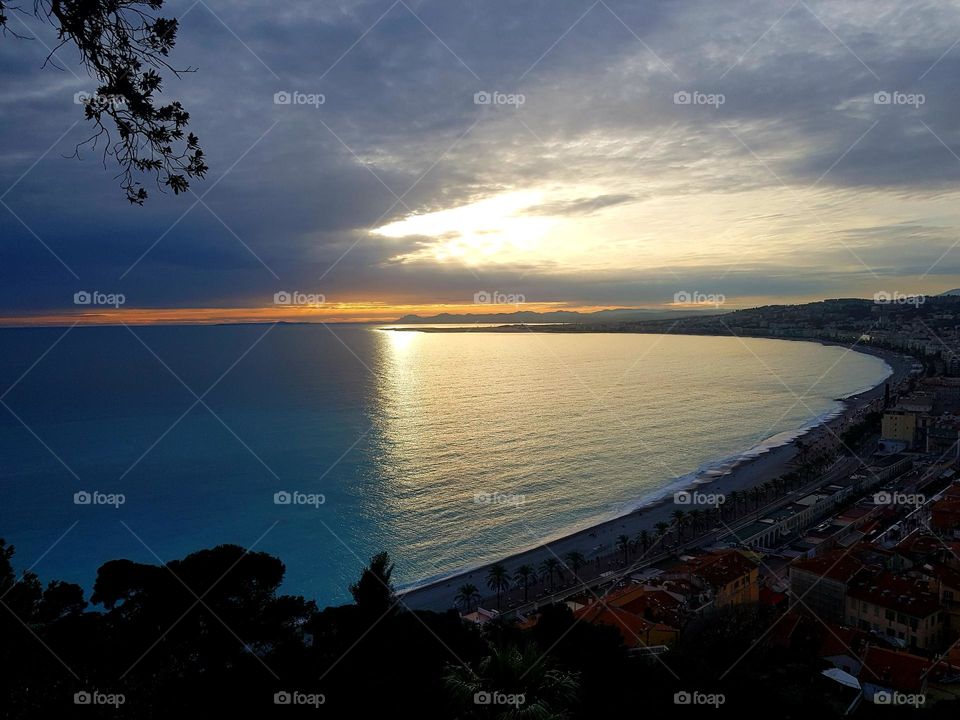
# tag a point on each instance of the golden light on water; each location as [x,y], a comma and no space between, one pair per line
[400,342]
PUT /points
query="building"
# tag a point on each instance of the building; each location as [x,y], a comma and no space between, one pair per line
[787,522]
[651,603]
[945,582]
[888,467]
[727,578]
[636,631]
[900,426]
[902,609]
[945,513]
[886,670]
[819,584]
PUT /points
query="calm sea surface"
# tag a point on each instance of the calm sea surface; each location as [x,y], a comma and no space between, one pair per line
[444,449]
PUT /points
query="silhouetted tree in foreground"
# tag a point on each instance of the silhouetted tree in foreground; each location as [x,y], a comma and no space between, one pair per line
[211,636]
[124,46]
[373,593]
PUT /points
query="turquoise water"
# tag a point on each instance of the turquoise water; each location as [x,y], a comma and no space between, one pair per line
[445,449]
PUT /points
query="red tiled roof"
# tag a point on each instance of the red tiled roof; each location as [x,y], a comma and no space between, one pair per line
[947,575]
[920,545]
[653,604]
[910,596]
[891,668]
[633,628]
[945,513]
[841,640]
[718,570]
[835,565]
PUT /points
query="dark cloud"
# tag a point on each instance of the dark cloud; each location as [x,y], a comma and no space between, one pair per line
[582,206]
[295,189]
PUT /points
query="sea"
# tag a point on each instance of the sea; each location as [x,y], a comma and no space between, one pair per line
[325,444]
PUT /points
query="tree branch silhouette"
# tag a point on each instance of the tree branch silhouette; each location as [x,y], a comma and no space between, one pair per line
[125,46]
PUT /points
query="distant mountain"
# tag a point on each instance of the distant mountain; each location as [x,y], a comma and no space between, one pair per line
[561,316]
[950,293]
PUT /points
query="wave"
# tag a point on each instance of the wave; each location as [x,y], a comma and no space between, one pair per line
[707,473]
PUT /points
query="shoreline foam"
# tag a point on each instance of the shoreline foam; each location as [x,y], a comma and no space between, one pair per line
[737,472]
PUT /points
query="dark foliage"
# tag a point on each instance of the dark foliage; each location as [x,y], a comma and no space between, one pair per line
[210,636]
[125,47]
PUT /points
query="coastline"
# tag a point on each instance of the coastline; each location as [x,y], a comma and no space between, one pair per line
[739,472]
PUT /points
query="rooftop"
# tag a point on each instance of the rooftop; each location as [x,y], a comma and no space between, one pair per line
[890,668]
[910,596]
[836,565]
[719,569]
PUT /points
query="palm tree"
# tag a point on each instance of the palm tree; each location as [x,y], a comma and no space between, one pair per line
[373,592]
[696,517]
[575,561]
[662,528]
[643,540]
[547,692]
[734,500]
[523,574]
[498,579]
[623,545]
[679,516]
[547,568]
[467,596]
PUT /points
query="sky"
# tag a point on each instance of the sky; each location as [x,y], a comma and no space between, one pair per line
[560,154]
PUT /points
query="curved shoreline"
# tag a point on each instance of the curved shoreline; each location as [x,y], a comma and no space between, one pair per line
[744,470]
